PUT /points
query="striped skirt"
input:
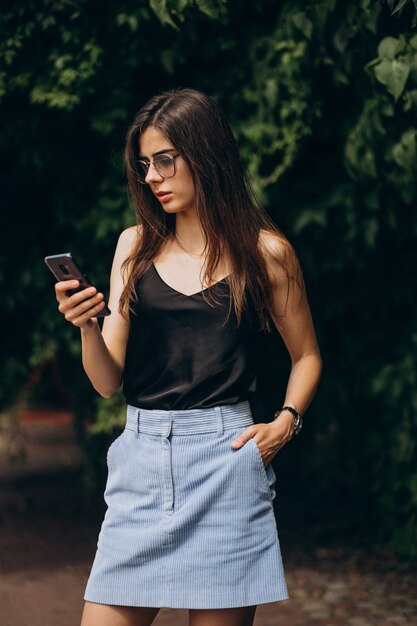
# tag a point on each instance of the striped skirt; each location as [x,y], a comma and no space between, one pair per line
[190,521]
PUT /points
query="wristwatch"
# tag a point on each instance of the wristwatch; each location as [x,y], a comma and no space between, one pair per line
[298,420]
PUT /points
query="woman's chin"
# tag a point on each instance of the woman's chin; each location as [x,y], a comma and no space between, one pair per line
[175,208]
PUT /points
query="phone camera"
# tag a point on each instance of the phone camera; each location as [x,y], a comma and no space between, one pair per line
[64,268]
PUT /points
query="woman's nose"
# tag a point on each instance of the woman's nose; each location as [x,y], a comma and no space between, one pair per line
[153,175]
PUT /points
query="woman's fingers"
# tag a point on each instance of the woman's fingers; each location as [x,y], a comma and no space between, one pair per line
[72,310]
[63,286]
[79,307]
[92,312]
[77,299]
[244,437]
[269,438]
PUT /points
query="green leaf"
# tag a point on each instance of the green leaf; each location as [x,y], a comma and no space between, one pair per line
[212,8]
[370,231]
[387,108]
[339,76]
[302,22]
[393,74]
[402,47]
[401,4]
[405,152]
[413,41]
[310,217]
[159,7]
[388,47]
[319,12]
[178,6]
[370,67]
[341,39]
[410,100]
[271,91]
[130,20]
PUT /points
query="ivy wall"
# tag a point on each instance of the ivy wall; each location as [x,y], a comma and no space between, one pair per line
[322,96]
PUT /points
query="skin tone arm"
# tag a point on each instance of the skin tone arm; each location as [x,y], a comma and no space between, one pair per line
[103,351]
[294,323]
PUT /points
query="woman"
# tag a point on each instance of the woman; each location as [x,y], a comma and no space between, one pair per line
[190,520]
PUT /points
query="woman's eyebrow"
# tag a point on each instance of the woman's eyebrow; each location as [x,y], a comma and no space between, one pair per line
[159,152]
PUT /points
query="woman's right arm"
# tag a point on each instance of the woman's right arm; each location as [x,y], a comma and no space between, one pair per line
[103,351]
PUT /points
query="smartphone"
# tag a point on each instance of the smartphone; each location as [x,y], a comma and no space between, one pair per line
[65,267]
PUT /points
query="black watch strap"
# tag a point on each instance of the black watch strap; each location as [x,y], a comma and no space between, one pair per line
[298,420]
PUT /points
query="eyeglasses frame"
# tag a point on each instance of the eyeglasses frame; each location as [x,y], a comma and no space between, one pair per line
[147,164]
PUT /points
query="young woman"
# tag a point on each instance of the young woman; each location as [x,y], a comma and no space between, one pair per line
[190,520]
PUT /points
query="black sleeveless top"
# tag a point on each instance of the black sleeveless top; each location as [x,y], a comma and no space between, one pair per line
[180,355]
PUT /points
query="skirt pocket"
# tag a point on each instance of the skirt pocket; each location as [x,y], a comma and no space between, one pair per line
[267,473]
[113,448]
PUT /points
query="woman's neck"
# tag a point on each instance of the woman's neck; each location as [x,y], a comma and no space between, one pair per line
[189,235]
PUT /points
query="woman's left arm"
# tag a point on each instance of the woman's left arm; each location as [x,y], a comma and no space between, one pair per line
[291,315]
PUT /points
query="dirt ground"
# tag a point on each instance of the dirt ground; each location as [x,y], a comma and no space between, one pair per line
[47,544]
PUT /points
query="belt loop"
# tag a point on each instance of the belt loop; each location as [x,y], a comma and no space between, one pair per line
[169,428]
[138,423]
[219,421]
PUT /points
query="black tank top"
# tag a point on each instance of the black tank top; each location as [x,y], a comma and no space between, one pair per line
[181,355]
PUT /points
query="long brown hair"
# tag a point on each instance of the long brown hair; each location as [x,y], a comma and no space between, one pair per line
[228,211]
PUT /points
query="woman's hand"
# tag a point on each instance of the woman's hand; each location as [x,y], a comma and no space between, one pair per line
[269,437]
[81,307]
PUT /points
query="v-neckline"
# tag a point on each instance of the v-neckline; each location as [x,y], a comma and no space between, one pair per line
[185,295]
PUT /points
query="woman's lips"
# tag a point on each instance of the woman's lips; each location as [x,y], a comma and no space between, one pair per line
[164,196]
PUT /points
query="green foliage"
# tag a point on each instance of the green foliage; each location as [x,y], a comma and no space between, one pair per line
[397,58]
[399,445]
[170,11]
[62,77]
[322,96]
[109,416]
[397,6]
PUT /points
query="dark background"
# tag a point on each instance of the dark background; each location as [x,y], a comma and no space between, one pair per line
[322,97]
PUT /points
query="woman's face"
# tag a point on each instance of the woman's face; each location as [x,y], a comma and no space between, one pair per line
[175,194]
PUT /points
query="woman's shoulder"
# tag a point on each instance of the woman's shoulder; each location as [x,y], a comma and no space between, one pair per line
[273,245]
[126,244]
[279,255]
[130,236]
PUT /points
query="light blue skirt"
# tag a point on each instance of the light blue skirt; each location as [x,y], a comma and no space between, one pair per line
[190,521]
